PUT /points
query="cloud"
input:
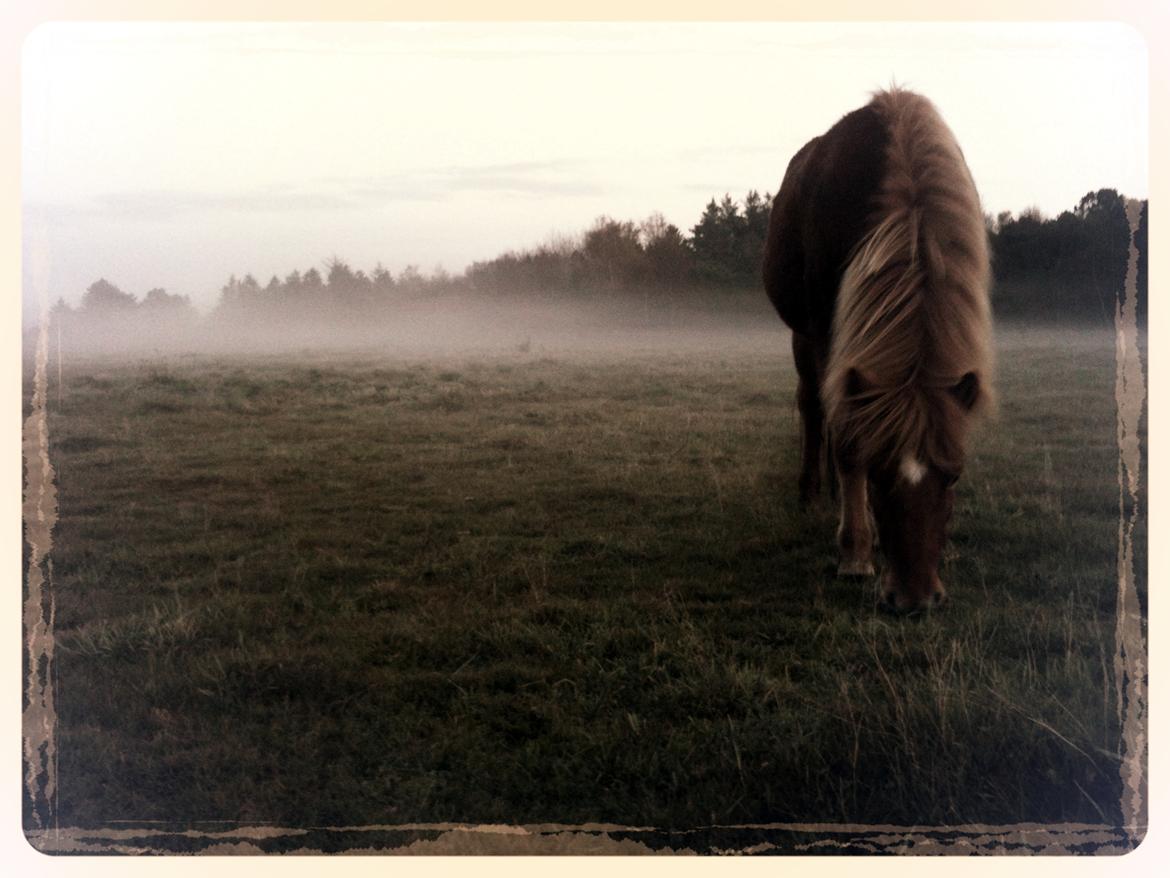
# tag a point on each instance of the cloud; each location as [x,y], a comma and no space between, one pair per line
[564,178]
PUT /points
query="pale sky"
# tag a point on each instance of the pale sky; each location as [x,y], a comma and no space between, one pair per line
[176,155]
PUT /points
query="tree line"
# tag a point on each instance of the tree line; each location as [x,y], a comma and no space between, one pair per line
[1071,266]
[1068,267]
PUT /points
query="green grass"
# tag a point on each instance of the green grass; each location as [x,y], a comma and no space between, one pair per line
[521,588]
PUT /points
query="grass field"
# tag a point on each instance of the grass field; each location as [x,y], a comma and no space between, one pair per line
[531,585]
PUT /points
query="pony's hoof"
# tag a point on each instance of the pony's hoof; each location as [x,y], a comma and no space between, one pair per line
[855,568]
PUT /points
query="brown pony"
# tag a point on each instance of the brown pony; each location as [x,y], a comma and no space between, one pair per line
[877,259]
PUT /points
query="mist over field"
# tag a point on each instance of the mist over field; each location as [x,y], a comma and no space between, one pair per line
[619,283]
[439,326]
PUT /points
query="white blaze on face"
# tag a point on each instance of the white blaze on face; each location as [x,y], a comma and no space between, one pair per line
[912,470]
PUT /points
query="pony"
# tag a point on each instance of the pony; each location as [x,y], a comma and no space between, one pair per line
[877,258]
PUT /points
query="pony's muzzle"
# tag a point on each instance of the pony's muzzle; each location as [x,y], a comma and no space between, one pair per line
[898,600]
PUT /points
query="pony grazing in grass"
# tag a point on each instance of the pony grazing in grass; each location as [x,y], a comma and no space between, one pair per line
[877,258]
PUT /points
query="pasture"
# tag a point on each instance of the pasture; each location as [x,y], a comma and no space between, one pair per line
[540,585]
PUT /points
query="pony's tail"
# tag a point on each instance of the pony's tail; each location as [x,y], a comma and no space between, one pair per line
[912,312]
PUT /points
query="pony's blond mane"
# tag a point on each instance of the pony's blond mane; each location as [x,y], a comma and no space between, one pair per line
[912,315]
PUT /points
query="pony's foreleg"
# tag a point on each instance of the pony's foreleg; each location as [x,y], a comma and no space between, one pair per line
[812,416]
[855,535]
[812,421]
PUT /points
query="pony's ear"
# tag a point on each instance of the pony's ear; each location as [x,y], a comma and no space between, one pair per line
[857,383]
[967,391]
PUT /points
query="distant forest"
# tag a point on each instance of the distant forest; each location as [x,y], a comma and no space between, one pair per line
[1067,268]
